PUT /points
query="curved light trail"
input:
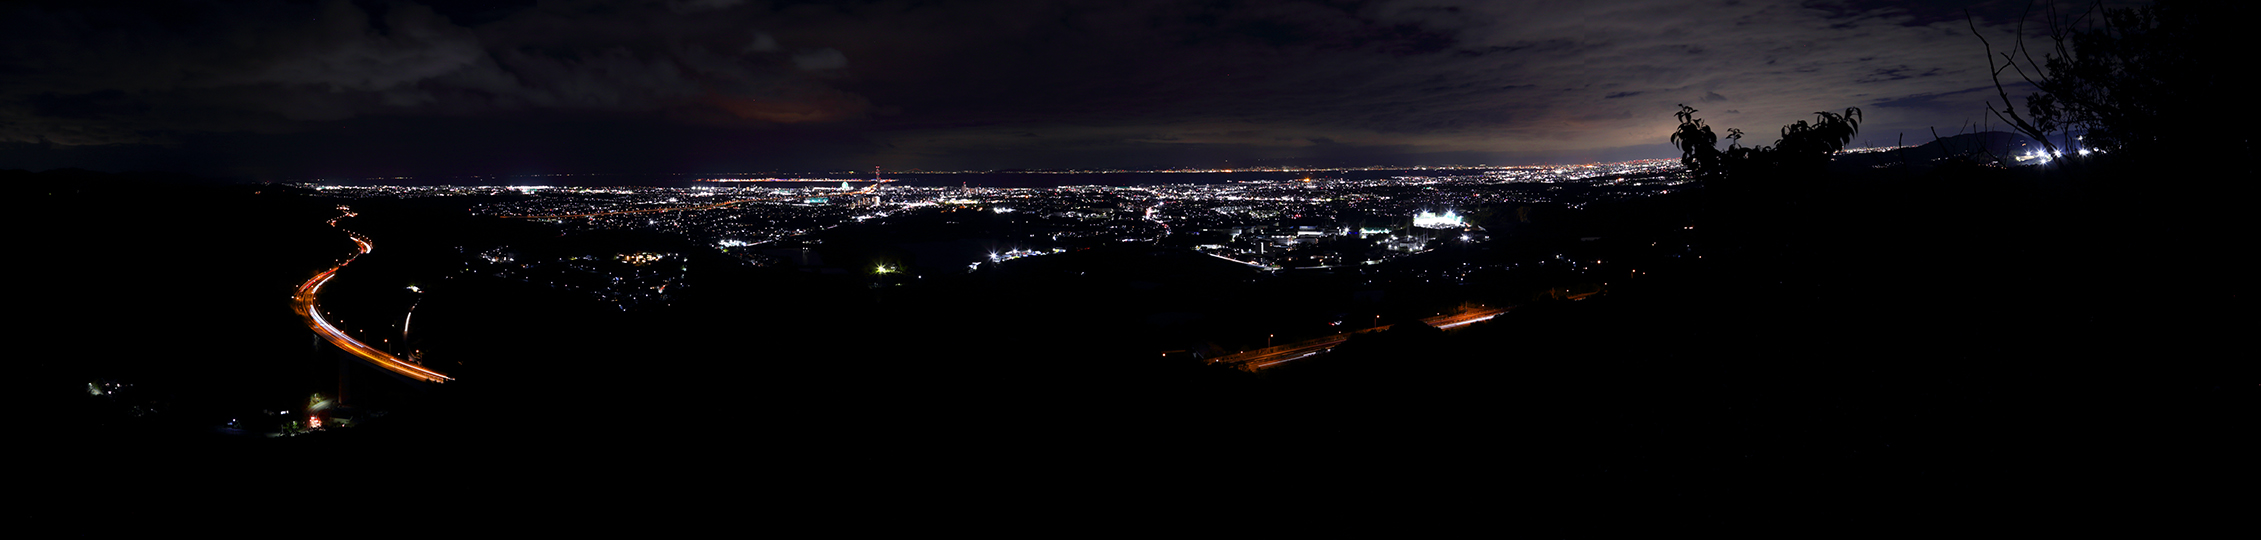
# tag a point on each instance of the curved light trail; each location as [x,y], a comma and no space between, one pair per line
[303,302]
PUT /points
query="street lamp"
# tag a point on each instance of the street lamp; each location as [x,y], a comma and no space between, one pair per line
[411,316]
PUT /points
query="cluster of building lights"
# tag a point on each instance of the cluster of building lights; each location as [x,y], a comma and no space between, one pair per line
[1432,220]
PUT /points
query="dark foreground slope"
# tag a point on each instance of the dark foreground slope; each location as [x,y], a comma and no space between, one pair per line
[1886,336]
[173,289]
[1873,338]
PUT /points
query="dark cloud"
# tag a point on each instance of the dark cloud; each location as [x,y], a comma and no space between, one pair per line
[820,59]
[280,66]
[911,84]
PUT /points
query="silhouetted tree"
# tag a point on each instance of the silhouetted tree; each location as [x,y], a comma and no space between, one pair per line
[1699,147]
[1803,147]
[2139,80]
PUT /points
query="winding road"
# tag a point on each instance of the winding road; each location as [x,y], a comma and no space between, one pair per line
[304,303]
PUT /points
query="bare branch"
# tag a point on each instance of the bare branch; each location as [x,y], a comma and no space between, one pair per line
[2008,106]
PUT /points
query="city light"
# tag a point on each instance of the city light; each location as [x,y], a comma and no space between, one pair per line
[1431,220]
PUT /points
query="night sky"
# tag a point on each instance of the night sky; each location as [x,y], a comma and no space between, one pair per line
[280,90]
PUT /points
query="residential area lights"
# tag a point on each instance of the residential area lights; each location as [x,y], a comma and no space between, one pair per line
[1278,224]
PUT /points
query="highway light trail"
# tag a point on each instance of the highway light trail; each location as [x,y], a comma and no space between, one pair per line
[1260,266]
[304,303]
[1297,357]
[1451,325]
[1272,356]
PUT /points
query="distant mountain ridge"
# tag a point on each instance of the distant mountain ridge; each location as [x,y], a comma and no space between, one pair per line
[1982,146]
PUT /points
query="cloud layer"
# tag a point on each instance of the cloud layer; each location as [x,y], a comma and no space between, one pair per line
[752,85]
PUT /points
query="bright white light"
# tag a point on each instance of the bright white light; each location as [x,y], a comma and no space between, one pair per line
[1428,220]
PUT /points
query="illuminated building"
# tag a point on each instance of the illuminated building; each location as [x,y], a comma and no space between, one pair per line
[1430,220]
